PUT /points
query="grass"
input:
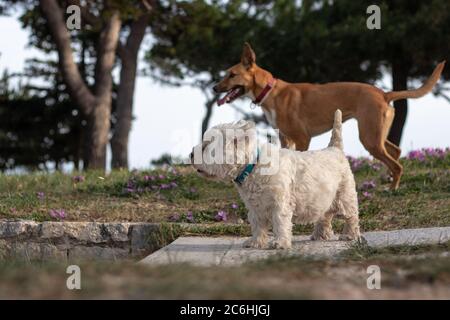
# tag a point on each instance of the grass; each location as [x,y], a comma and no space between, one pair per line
[423,199]
[405,273]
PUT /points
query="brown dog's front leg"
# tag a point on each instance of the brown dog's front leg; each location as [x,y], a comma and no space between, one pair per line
[302,143]
[287,142]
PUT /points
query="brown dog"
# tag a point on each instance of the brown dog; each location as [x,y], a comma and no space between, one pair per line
[302,110]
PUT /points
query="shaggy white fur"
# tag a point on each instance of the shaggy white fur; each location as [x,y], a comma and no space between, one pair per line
[285,186]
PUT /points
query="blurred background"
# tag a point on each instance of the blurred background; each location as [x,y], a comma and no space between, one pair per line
[132,81]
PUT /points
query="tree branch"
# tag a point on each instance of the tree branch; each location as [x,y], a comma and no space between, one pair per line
[75,84]
[106,54]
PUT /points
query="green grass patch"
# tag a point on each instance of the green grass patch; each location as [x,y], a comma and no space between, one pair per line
[181,195]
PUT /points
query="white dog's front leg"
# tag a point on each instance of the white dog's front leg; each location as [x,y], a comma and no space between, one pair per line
[282,228]
[259,237]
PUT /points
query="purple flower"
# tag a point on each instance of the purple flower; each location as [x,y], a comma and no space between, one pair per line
[78,179]
[164,186]
[416,155]
[428,152]
[161,176]
[130,184]
[221,216]
[366,185]
[193,190]
[375,166]
[58,214]
[173,184]
[234,206]
[190,216]
[40,195]
[356,163]
[174,217]
[366,195]
[440,153]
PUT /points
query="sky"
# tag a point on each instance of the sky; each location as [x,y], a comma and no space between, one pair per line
[168,119]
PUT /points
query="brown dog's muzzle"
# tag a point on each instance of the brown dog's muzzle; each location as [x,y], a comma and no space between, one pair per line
[231,94]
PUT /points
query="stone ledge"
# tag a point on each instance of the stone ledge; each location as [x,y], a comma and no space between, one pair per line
[48,240]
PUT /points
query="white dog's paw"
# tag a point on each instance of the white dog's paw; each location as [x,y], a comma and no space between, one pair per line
[255,243]
[280,244]
[350,237]
[316,236]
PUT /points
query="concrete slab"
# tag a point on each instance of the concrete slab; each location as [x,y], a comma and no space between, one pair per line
[229,251]
[207,251]
[408,237]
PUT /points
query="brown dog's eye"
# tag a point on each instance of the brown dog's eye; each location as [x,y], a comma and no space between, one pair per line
[232,75]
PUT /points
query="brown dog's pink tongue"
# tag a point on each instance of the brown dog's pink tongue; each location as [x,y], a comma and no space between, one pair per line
[228,97]
[223,100]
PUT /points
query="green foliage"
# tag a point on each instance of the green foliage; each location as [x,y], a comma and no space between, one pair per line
[38,125]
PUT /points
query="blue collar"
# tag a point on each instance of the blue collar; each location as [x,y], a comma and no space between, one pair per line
[247,170]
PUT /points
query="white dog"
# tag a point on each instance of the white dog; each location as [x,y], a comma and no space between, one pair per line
[306,187]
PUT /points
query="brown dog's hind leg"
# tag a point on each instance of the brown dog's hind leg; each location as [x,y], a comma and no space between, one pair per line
[393,149]
[373,123]
[394,166]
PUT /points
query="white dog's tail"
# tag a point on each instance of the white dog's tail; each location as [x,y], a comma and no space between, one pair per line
[336,135]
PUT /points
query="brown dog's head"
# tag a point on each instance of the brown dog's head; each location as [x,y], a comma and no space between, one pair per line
[239,79]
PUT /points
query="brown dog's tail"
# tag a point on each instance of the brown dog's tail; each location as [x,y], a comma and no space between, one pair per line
[417,93]
[336,134]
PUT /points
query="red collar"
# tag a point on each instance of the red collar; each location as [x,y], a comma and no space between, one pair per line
[261,97]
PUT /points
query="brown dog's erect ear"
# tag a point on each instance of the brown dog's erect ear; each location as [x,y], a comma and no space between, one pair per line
[248,57]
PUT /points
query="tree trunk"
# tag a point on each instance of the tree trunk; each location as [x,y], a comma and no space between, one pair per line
[96,108]
[399,82]
[119,141]
[209,110]
[128,55]
[99,124]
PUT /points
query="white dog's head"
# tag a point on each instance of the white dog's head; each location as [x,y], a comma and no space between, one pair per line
[225,150]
